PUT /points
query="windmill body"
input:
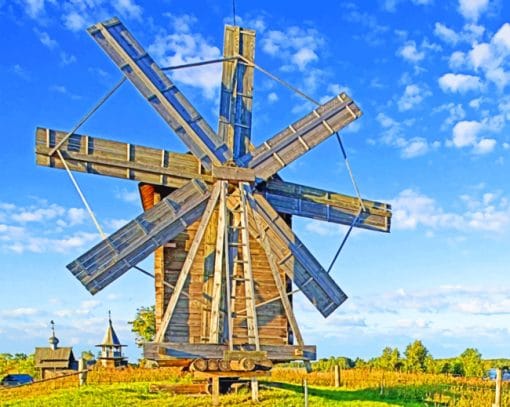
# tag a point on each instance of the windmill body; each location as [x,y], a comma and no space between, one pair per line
[218,219]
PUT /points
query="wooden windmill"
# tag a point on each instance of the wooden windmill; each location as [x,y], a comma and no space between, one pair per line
[218,219]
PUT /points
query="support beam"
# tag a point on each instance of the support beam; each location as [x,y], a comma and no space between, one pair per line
[214,329]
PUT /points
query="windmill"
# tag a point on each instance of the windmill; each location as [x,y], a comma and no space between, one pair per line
[218,219]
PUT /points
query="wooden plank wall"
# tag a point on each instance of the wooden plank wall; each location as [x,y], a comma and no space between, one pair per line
[190,323]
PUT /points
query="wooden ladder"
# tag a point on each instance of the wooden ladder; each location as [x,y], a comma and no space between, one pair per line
[239,245]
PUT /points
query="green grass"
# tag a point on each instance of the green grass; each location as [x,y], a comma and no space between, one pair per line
[137,394]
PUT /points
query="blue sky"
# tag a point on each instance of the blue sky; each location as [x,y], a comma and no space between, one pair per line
[432,79]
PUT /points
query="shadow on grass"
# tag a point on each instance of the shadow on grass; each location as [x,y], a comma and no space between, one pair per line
[339,394]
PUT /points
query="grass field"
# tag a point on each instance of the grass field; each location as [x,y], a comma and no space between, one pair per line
[135,394]
[360,387]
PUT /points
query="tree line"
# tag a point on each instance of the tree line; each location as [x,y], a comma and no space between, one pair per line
[417,359]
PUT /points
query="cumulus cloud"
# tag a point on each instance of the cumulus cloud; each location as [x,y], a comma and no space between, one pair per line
[413,96]
[410,52]
[183,46]
[472,9]
[42,228]
[460,83]
[393,135]
[412,209]
[128,9]
[297,45]
[469,133]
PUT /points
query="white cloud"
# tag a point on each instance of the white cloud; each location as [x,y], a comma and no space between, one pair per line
[128,9]
[20,312]
[46,40]
[128,196]
[413,96]
[484,146]
[323,228]
[459,83]
[34,7]
[415,147]
[472,9]
[184,46]
[410,53]
[67,59]
[446,34]
[455,113]
[393,135]
[412,209]
[297,45]
[457,60]
[75,21]
[465,133]
[272,97]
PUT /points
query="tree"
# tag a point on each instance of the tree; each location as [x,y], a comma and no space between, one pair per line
[416,355]
[87,355]
[144,324]
[472,364]
[389,359]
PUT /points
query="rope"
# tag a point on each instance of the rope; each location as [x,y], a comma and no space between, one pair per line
[200,63]
[348,165]
[344,154]
[87,116]
[279,80]
[103,235]
[355,220]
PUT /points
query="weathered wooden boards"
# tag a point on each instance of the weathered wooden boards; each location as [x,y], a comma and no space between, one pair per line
[293,256]
[301,136]
[169,350]
[160,92]
[237,90]
[155,166]
[131,244]
[116,159]
[309,202]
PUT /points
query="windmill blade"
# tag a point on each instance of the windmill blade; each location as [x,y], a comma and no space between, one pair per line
[315,203]
[160,92]
[125,248]
[301,136]
[115,159]
[293,257]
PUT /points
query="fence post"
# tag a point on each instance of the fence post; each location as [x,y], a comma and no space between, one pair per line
[497,400]
[305,392]
[82,368]
[337,376]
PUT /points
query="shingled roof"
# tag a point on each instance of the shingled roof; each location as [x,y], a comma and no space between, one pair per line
[110,337]
[60,358]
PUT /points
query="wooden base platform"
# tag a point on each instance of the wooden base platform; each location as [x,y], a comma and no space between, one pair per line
[167,351]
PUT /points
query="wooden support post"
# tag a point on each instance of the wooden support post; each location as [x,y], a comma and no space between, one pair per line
[215,390]
[82,368]
[214,328]
[497,399]
[337,376]
[305,392]
[254,389]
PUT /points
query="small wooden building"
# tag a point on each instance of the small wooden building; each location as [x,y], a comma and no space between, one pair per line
[111,348]
[55,361]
